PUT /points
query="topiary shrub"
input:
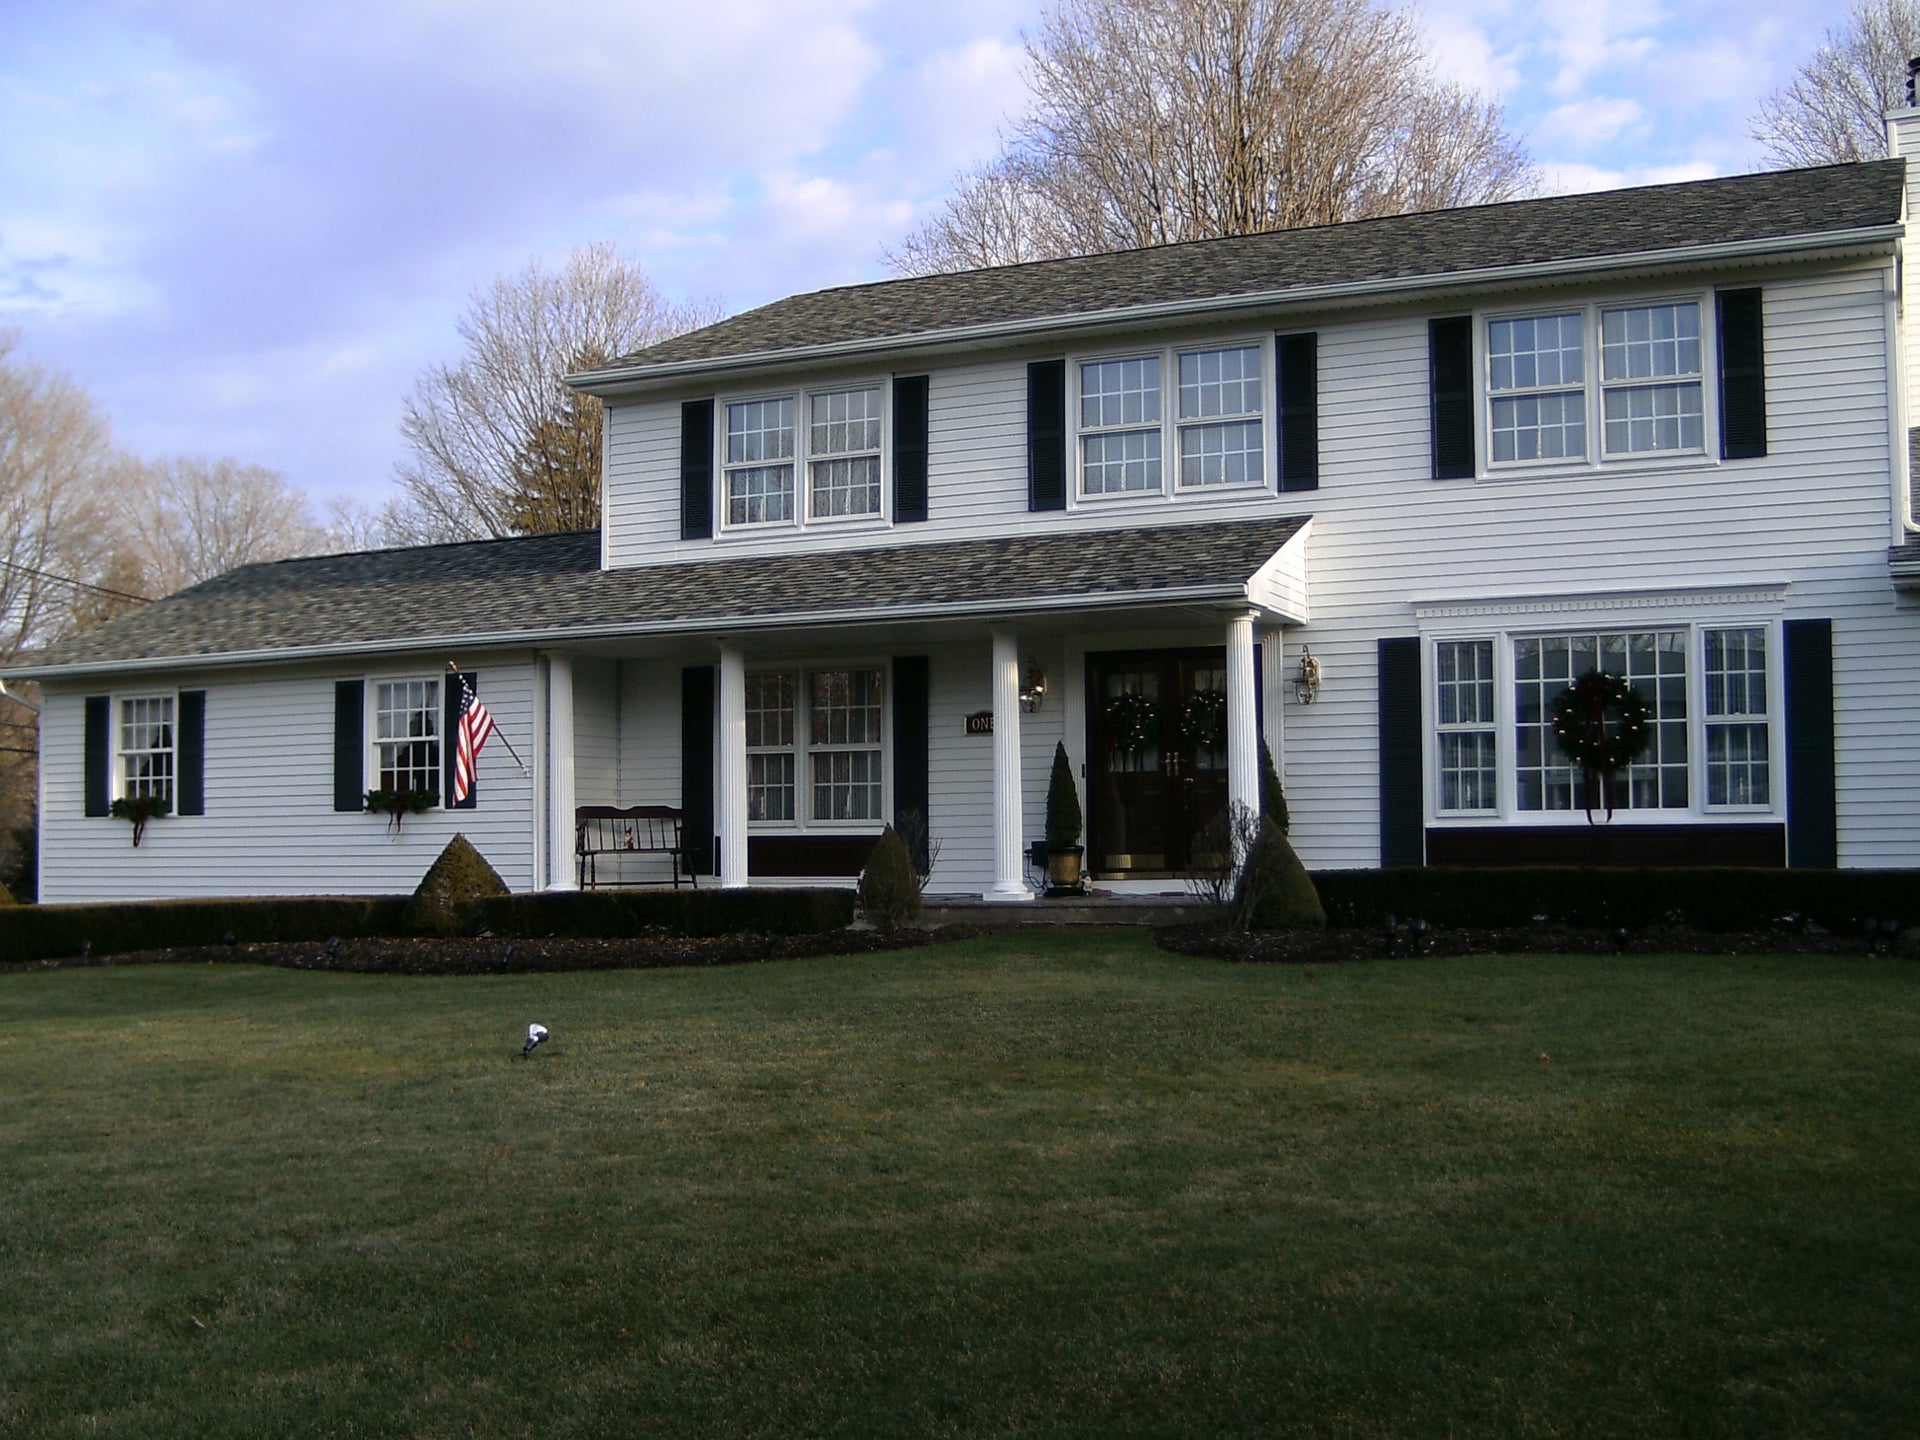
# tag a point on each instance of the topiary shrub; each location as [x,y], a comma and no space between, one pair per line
[448,900]
[6,897]
[889,890]
[1064,822]
[1273,800]
[1275,892]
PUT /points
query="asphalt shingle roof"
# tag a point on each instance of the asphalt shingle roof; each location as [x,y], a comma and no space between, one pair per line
[550,587]
[1437,243]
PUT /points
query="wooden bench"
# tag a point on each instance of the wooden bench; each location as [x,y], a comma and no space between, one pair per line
[637,830]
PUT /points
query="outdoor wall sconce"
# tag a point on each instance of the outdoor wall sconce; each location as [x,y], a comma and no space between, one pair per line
[1306,681]
[1033,688]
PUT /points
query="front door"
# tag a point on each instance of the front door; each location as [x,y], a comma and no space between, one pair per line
[1157,767]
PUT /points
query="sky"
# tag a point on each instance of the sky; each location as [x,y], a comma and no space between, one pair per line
[247,234]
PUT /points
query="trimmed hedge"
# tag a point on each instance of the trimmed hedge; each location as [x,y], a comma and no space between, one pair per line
[1608,899]
[46,932]
[624,914]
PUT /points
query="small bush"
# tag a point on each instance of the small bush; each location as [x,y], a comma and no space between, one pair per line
[889,890]
[1275,892]
[1064,821]
[1273,799]
[1632,899]
[447,901]
[623,914]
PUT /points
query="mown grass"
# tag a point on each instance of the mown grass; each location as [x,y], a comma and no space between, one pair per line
[1028,1185]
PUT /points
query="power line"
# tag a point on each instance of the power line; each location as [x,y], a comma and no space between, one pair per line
[77,584]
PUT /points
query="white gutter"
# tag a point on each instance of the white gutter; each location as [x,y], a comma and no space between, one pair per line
[635,377]
[702,625]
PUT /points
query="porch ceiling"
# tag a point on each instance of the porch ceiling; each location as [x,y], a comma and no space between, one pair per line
[549,590]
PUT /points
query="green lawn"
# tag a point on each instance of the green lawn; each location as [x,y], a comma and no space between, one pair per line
[1027,1185]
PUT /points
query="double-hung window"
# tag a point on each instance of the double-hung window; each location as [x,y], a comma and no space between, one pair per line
[1706,689]
[1212,424]
[406,735]
[147,747]
[815,752]
[1596,384]
[839,448]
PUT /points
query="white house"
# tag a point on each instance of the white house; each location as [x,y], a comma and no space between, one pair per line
[873,551]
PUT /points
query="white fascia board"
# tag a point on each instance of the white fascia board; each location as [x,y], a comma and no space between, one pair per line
[621,380]
[1010,606]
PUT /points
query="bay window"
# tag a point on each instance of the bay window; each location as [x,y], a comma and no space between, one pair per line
[1711,721]
[1631,377]
[1213,425]
[836,734]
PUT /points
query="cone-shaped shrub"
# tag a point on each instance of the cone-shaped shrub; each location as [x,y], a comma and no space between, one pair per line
[448,900]
[1275,891]
[1063,803]
[1273,800]
[889,890]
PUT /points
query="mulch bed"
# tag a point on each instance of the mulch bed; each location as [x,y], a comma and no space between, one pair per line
[486,955]
[1326,947]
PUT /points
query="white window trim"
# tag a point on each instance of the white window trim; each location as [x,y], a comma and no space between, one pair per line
[371,706]
[1696,811]
[1594,387]
[803,822]
[1170,486]
[116,768]
[803,516]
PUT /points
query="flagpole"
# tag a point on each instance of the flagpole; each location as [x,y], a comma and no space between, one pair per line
[525,769]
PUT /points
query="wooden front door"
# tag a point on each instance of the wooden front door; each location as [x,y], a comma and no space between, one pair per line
[1157,760]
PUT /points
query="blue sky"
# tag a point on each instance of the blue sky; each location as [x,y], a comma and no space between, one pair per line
[246,234]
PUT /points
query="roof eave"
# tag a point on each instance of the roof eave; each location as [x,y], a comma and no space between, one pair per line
[617,380]
[1227,592]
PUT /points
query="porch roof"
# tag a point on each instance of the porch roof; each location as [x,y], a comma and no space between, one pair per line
[549,589]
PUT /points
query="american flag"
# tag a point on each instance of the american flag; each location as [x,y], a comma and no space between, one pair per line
[474,726]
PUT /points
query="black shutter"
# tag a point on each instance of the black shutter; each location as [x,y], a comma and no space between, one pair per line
[1813,829]
[1402,810]
[909,448]
[99,753]
[1297,358]
[696,470]
[349,745]
[1450,374]
[450,743]
[1047,435]
[190,779]
[1743,375]
[696,769]
[910,726]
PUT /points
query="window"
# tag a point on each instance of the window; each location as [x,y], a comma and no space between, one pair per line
[760,462]
[1469,772]
[838,731]
[406,735]
[770,747]
[1707,690]
[1543,404]
[147,747]
[1214,425]
[1221,389]
[843,444]
[1737,768]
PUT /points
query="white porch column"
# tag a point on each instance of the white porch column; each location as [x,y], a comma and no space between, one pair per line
[1243,725]
[731,763]
[1009,865]
[560,836]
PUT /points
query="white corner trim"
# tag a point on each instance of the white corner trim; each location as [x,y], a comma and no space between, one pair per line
[1614,603]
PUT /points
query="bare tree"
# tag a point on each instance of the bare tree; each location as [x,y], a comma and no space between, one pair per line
[500,445]
[1157,121]
[188,519]
[1833,110]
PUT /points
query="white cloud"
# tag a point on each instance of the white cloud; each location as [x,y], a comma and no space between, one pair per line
[1571,178]
[1582,124]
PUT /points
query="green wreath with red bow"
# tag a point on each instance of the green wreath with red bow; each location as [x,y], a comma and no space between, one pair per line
[1603,726]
